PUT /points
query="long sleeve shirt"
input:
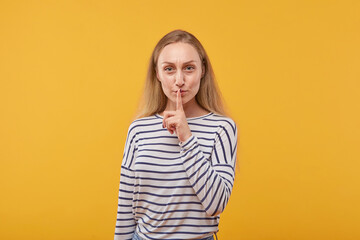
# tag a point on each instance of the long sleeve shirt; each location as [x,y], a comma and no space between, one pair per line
[176,190]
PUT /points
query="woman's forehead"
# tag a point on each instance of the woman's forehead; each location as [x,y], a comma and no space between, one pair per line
[178,52]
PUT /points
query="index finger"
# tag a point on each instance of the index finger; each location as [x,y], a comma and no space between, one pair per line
[179,100]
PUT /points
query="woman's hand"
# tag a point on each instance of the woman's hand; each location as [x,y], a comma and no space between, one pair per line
[175,121]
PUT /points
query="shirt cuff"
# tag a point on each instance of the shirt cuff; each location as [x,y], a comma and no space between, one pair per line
[188,143]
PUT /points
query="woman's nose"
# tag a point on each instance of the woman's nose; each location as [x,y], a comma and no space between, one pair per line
[179,79]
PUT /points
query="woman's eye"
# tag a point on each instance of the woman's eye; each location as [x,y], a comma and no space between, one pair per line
[168,69]
[189,68]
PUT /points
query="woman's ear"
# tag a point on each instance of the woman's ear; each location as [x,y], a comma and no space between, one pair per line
[203,71]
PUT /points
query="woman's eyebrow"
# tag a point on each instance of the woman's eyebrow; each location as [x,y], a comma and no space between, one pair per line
[183,63]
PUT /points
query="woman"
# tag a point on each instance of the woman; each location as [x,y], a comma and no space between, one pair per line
[178,165]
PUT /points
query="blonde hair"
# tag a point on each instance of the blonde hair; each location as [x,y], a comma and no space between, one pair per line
[154,100]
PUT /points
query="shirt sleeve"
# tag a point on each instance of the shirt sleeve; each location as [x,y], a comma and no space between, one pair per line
[125,221]
[212,178]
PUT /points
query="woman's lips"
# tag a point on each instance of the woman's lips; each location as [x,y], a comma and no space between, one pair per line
[182,92]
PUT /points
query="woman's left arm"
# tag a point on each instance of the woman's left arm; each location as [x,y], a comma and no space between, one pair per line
[212,179]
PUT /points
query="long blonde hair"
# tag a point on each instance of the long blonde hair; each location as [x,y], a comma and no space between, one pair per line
[154,100]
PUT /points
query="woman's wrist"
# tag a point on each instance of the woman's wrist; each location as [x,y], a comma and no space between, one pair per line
[185,137]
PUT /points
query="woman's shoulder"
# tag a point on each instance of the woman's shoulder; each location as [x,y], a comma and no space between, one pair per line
[143,122]
[221,120]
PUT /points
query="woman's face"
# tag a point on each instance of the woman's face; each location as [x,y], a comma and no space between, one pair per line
[179,67]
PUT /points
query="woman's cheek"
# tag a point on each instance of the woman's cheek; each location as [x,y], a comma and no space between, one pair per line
[166,88]
[167,84]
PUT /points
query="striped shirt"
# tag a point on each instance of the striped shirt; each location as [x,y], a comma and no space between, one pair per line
[171,189]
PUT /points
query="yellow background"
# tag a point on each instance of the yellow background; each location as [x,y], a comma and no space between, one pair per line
[71,74]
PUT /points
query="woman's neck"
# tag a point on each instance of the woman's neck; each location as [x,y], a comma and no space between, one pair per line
[191,108]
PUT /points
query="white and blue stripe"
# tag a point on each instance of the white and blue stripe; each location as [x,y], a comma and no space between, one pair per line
[171,189]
